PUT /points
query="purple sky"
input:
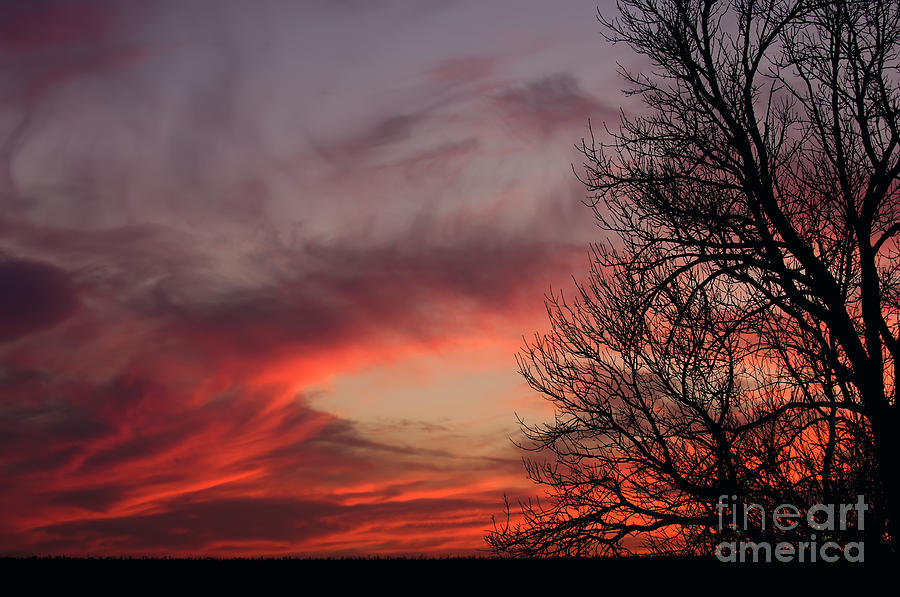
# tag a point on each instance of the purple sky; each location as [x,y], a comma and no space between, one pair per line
[266,265]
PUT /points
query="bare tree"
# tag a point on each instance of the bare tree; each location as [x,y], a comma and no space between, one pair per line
[739,332]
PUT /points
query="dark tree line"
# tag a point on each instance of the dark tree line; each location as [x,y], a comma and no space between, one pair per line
[738,332]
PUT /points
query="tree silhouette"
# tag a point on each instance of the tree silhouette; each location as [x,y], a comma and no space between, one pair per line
[738,334]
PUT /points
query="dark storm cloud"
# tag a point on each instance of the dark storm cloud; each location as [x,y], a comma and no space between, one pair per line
[341,293]
[33,296]
[96,499]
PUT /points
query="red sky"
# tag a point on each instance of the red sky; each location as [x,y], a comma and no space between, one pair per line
[265,266]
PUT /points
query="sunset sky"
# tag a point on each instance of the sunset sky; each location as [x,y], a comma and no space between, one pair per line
[265,266]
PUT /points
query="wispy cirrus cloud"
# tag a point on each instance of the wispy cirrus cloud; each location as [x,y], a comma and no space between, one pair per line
[552,103]
[229,237]
[173,359]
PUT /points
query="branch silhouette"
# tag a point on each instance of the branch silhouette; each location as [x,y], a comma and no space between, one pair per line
[738,333]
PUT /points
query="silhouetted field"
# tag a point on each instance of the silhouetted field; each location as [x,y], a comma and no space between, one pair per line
[621,564]
[462,575]
[624,562]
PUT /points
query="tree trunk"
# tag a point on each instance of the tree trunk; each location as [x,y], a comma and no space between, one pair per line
[884,511]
